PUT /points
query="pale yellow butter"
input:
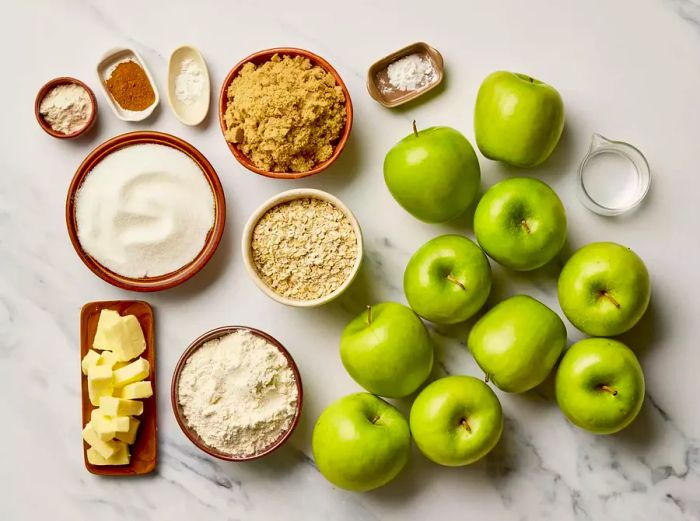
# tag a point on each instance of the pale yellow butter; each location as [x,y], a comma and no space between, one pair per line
[112,406]
[108,359]
[89,360]
[135,391]
[121,335]
[130,436]
[100,383]
[134,372]
[121,457]
[103,423]
[105,448]
[106,322]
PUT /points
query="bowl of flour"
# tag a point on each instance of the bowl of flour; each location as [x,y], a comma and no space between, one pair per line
[236,393]
[145,211]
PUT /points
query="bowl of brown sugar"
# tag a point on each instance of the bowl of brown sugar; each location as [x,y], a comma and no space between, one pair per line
[285,113]
[302,247]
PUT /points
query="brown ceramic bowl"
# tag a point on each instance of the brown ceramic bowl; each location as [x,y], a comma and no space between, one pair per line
[262,57]
[213,238]
[180,416]
[43,91]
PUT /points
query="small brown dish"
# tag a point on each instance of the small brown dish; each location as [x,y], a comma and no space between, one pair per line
[144,452]
[265,56]
[180,416]
[377,76]
[213,239]
[43,91]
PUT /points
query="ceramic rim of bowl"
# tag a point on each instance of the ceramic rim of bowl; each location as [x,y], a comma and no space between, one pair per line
[180,416]
[45,89]
[283,197]
[262,57]
[167,280]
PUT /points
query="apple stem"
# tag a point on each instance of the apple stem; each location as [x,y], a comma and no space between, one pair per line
[374,420]
[526,226]
[369,315]
[464,423]
[608,296]
[415,129]
[486,377]
[608,390]
[451,278]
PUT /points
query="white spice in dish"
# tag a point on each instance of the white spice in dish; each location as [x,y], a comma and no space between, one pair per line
[144,211]
[66,108]
[411,72]
[189,82]
[238,393]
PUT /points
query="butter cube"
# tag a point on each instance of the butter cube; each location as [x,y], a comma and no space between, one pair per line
[108,359]
[89,360]
[120,407]
[134,391]
[108,319]
[106,449]
[121,457]
[134,372]
[100,383]
[104,424]
[123,336]
[130,436]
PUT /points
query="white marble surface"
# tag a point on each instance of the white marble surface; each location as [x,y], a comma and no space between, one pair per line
[627,69]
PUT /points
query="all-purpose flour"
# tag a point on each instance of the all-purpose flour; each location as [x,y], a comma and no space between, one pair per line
[238,393]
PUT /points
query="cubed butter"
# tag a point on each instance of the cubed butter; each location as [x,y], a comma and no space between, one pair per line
[89,360]
[112,406]
[106,449]
[121,457]
[103,423]
[108,319]
[108,359]
[100,383]
[130,436]
[135,391]
[134,372]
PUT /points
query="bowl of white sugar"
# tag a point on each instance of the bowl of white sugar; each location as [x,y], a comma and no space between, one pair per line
[145,211]
[236,393]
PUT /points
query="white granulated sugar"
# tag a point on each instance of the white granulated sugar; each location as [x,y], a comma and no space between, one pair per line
[189,82]
[238,393]
[144,211]
[411,72]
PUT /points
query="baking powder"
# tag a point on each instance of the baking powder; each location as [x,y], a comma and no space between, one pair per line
[411,72]
[238,393]
[189,82]
[66,108]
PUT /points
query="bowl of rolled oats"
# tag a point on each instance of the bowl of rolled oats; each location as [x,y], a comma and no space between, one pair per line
[302,247]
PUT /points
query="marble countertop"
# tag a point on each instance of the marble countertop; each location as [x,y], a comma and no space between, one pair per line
[627,69]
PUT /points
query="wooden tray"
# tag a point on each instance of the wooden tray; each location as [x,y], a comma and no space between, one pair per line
[144,451]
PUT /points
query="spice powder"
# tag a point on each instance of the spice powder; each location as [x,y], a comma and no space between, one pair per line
[304,249]
[129,86]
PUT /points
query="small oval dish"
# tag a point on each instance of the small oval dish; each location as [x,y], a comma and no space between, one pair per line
[168,280]
[109,61]
[48,87]
[194,105]
[180,416]
[262,57]
[290,195]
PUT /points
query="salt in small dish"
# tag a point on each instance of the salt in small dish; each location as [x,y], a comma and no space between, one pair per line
[193,113]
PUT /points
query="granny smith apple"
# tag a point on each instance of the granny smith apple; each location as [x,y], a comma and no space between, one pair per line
[387,350]
[456,420]
[600,385]
[360,442]
[517,119]
[433,174]
[520,223]
[517,342]
[447,280]
[604,289]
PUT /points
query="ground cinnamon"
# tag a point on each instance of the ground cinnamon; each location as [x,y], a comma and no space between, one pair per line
[129,86]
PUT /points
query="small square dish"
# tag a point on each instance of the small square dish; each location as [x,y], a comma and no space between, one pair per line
[381,88]
[106,67]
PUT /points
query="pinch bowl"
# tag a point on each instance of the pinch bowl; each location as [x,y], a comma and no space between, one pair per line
[45,89]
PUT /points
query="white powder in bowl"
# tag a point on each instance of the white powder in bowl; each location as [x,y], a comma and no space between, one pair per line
[238,393]
[411,72]
[144,211]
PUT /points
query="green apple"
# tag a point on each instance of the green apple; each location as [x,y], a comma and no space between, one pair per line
[517,342]
[604,289]
[387,350]
[456,420]
[517,119]
[360,442]
[520,223]
[433,174]
[447,280]
[600,385]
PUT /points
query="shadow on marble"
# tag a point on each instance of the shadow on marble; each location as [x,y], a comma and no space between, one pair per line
[425,98]
[341,173]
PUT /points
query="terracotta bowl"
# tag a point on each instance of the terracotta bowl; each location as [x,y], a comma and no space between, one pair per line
[262,57]
[213,239]
[180,416]
[43,91]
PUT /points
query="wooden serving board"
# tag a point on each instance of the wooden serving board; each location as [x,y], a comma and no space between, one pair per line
[144,451]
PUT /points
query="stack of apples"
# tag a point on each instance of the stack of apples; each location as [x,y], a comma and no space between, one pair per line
[362,442]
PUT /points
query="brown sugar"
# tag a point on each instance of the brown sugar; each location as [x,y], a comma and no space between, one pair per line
[130,87]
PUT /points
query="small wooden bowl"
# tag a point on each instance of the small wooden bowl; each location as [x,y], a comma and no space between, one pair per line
[43,91]
[265,56]
[144,451]
[213,239]
[180,416]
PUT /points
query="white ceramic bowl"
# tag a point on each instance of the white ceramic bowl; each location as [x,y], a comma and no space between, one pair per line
[283,197]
